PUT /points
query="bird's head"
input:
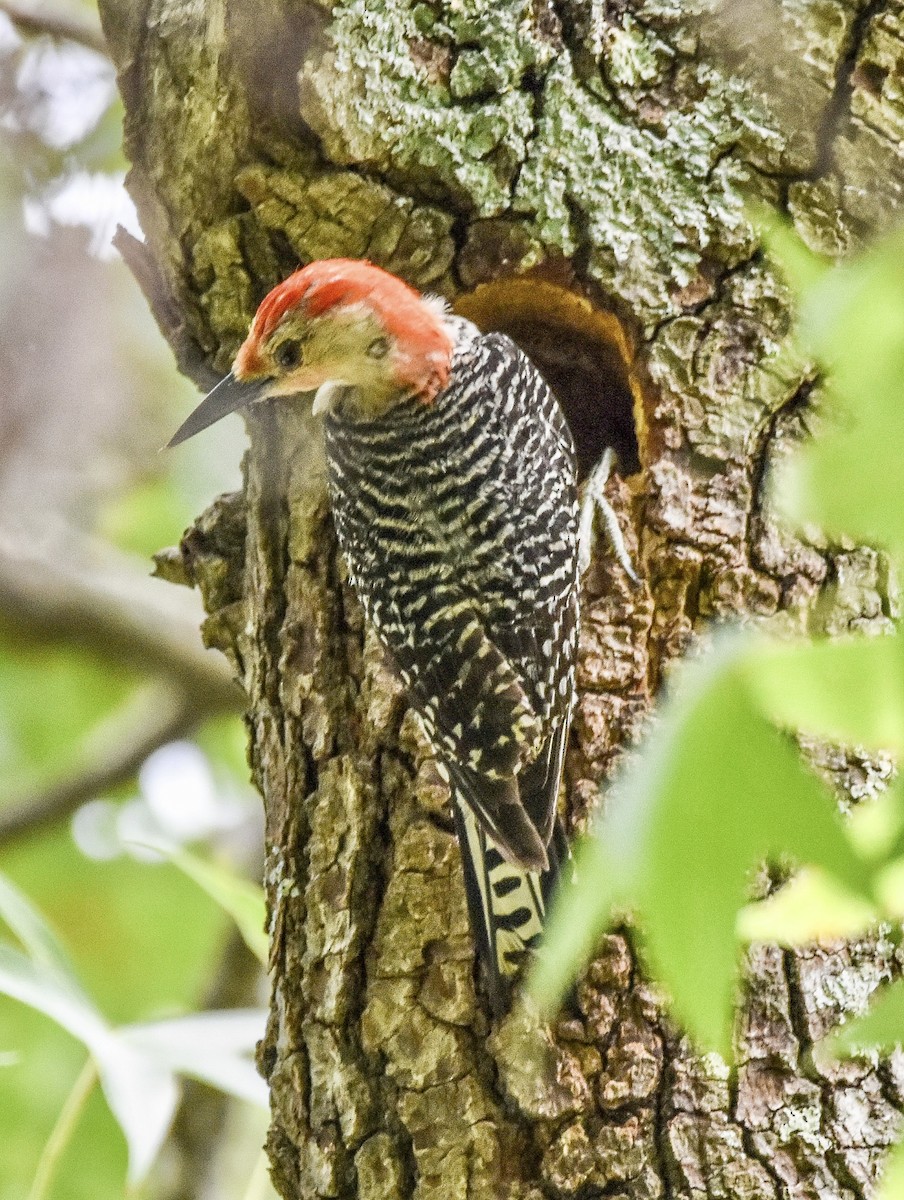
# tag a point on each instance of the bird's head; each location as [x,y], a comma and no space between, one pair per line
[336,327]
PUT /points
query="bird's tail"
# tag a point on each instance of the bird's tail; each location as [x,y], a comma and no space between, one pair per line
[507,903]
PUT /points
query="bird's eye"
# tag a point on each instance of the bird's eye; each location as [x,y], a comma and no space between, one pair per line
[288,354]
[378,348]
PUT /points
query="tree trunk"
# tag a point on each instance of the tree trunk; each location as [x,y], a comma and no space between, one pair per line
[570,171]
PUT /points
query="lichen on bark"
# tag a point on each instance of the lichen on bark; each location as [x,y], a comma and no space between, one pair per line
[603,148]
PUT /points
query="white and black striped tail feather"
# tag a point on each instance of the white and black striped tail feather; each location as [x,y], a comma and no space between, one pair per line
[506,902]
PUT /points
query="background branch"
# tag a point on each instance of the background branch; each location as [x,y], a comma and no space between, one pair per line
[113,752]
[40,21]
[99,600]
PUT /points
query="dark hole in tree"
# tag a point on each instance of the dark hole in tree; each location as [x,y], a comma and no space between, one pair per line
[580,352]
[591,383]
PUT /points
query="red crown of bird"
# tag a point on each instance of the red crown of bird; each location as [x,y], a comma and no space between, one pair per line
[422,344]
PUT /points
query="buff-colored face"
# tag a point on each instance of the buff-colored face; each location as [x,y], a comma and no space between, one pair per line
[360,338]
[348,349]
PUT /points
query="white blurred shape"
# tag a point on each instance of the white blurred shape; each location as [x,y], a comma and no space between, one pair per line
[69,89]
[138,830]
[9,38]
[179,789]
[179,803]
[94,830]
[96,200]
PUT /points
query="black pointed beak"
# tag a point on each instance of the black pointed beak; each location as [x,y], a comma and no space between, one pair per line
[229,395]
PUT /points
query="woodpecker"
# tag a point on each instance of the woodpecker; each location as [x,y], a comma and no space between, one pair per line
[453,485]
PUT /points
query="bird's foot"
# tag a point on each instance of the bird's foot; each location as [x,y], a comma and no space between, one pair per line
[594,501]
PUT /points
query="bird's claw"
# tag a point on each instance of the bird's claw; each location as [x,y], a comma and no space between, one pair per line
[594,500]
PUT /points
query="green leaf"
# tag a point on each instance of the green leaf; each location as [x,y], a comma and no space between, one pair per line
[889,888]
[137,1064]
[581,912]
[848,316]
[825,483]
[850,690]
[810,907]
[243,901]
[42,944]
[875,828]
[141,1093]
[716,791]
[848,480]
[881,1028]
[891,1185]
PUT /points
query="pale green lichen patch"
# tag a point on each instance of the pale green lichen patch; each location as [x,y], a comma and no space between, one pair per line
[501,42]
[627,54]
[593,178]
[376,99]
[633,58]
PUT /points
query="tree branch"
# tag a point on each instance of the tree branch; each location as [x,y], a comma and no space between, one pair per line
[98,600]
[40,21]
[115,750]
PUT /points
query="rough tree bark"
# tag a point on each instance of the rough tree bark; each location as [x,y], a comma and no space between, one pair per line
[599,150]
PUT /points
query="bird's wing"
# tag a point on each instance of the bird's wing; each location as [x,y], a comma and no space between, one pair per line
[551,661]
[478,682]
[538,782]
[480,720]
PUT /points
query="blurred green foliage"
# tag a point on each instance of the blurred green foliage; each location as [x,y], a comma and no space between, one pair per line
[145,941]
[91,394]
[48,700]
[135,1063]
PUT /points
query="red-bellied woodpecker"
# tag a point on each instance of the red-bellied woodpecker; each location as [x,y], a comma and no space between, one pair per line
[453,488]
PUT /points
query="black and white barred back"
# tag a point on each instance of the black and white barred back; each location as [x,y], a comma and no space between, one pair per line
[459,521]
